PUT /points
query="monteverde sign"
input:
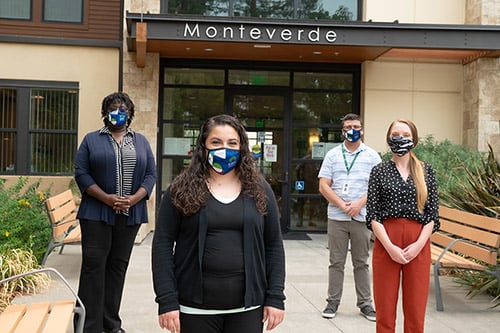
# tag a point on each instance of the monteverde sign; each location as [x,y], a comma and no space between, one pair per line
[161,27]
[242,32]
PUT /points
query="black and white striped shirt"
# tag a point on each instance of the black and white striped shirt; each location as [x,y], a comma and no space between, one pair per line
[125,157]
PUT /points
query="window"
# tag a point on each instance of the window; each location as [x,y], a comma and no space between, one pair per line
[15,9]
[38,127]
[338,10]
[69,11]
[49,11]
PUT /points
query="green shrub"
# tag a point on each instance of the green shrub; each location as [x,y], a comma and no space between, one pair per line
[479,191]
[24,223]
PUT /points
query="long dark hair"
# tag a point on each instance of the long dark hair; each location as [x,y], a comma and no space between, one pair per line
[189,191]
[117,97]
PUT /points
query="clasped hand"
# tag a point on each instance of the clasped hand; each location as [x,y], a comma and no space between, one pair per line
[351,208]
[404,256]
[119,203]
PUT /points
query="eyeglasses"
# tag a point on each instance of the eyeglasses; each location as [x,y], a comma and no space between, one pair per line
[121,109]
[348,128]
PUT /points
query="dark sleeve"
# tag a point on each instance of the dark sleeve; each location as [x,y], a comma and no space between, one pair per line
[162,255]
[149,180]
[431,209]
[275,253]
[83,176]
[373,201]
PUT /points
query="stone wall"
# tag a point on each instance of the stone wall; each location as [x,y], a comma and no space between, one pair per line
[481,125]
[142,86]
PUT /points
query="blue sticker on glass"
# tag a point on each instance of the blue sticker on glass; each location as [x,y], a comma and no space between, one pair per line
[299,185]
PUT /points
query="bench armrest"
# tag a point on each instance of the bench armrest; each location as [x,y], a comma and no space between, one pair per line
[79,307]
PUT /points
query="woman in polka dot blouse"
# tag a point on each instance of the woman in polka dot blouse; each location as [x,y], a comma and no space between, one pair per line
[402,212]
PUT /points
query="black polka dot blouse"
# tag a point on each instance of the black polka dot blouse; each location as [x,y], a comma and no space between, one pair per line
[390,196]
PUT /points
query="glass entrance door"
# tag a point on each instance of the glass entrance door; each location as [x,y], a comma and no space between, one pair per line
[264,119]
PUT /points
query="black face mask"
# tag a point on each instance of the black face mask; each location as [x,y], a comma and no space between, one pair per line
[400,145]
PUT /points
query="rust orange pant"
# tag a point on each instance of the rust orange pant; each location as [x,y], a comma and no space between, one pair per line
[414,278]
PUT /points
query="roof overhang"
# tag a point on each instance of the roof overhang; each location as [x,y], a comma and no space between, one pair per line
[255,39]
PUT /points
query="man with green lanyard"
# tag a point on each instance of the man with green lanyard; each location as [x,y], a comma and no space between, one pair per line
[343,181]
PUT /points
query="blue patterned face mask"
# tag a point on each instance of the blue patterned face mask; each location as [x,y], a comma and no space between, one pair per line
[118,117]
[352,135]
[400,145]
[223,160]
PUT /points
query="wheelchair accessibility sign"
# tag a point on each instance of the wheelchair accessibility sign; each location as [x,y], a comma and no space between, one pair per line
[299,185]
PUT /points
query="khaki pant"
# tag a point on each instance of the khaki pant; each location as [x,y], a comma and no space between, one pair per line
[340,234]
[414,279]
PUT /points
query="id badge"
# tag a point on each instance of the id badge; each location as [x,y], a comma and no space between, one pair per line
[345,188]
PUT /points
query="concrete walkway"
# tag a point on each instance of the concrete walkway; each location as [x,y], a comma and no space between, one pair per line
[306,285]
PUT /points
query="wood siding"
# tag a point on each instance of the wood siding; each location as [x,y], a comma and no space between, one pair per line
[102,21]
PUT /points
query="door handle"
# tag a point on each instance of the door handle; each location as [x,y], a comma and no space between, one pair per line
[285,178]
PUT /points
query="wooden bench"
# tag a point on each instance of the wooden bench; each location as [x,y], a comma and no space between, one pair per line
[464,241]
[61,209]
[43,317]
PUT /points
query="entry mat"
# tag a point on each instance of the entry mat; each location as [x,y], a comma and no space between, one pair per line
[291,235]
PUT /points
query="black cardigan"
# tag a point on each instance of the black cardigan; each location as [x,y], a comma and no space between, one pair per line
[177,273]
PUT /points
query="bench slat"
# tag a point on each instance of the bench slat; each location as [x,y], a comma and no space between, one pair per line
[33,318]
[59,199]
[11,316]
[60,228]
[472,233]
[469,250]
[478,221]
[60,317]
[451,260]
[75,235]
[62,212]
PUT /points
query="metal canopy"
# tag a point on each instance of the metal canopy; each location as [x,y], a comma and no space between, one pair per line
[236,38]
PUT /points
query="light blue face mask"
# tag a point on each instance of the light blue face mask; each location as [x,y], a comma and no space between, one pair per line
[223,160]
[118,117]
[352,135]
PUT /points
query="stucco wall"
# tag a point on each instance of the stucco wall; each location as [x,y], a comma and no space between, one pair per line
[416,11]
[95,69]
[429,94]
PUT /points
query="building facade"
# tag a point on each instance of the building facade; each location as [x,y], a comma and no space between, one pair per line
[288,69]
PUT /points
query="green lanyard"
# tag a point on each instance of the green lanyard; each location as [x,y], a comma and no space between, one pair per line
[349,167]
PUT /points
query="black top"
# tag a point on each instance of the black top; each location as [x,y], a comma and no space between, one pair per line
[223,265]
[391,196]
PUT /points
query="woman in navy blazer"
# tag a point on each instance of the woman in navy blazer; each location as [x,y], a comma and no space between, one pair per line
[116,173]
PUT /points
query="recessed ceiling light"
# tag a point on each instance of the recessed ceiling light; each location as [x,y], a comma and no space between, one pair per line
[209,50]
[262,46]
[317,52]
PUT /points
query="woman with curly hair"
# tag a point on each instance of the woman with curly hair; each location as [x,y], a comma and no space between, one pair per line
[217,258]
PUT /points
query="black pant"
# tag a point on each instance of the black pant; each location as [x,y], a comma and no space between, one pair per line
[241,322]
[105,256]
